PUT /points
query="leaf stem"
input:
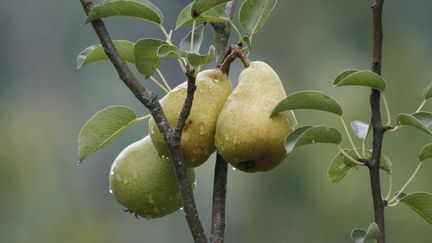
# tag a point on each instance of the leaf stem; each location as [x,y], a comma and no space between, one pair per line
[168,40]
[421,106]
[387,109]
[192,35]
[159,84]
[239,35]
[390,188]
[143,118]
[349,156]
[349,137]
[407,183]
[163,79]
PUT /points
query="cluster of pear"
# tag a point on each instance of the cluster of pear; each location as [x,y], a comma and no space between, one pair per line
[237,123]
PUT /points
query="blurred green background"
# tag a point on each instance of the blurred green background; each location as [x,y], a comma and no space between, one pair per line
[45,197]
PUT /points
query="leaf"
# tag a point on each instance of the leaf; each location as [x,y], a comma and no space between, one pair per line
[198,39]
[247,43]
[341,164]
[426,152]
[142,9]
[201,6]
[198,60]
[313,100]
[427,93]
[102,127]
[146,55]
[361,236]
[343,75]
[170,51]
[360,129]
[421,203]
[216,14]
[311,135]
[360,78]
[96,53]
[254,13]
[421,120]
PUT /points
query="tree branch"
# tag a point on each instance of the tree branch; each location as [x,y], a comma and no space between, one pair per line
[150,100]
[222,33]
[378,128]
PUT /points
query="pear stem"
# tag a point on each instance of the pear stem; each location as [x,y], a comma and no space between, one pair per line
[234,51]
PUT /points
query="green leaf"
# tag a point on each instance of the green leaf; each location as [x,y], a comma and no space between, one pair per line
[96,53]
[360,78]
[142,9]
[170,51]
[311,135]
[361,236]
[421,203]
[360,129]
[201,6]
[216,14]
[102,127]
[247,44]
[198,60]
[426,152]
[198,39]
[421,120]
[313,100]
[343,75]
[341,164]
[427,93]
[254,13]
[146,55]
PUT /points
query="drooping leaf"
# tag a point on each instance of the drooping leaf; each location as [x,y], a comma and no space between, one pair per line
[254,14]
[216,14]
[343,75]
[426,152]
[311,135]
[198,39]
[358,235]
[309,99]
[146,55]
[360,78]
[198,59]
[96,53]
[142,9]
[201,6]
[341,164]
[421,203]
[361,236]
[360,129]
[102,127]
[170,51]
[421,120]
[427,93]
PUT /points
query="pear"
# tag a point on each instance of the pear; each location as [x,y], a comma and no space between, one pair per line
[145,183]
[197,142]
[246,135]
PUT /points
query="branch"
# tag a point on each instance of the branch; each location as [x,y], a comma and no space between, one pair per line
[378,128]
[222,32]
[150,100]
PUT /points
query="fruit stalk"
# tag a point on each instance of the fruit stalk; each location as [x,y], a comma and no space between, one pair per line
[151,102]
[378,128]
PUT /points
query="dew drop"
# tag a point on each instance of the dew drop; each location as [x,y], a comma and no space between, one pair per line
[181,208]
[110,190]
[234,168]
[201,129]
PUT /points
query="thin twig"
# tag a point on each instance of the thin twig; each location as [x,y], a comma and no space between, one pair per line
[222,33]
[378,128]
[150,100]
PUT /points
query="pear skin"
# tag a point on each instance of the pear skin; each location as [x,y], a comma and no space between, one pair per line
[246,135]
[197,142]
[145,183]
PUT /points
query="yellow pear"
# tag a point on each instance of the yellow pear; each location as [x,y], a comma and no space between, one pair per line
[246,135]
[145,183]
[197,142]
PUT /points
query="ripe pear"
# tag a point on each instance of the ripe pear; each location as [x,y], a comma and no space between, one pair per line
[246,135]
[197,142]
[145,183]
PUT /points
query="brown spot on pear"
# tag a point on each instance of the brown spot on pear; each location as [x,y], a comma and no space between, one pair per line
[197,142]
[246,135]
[145,183]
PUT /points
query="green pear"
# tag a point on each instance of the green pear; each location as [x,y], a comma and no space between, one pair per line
[246,135]
[145,183]
[197,142]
